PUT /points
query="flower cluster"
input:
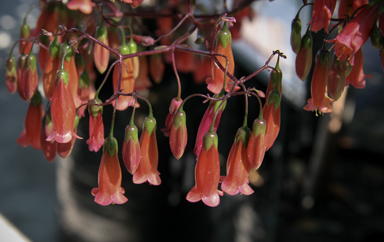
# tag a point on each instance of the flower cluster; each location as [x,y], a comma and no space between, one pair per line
[358,21]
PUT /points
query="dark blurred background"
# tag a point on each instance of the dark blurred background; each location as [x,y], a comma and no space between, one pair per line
[322,180]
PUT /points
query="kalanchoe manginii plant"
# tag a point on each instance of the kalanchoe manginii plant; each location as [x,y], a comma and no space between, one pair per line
[32,128]
[238,165]
[109,178]
[96,125]
[147,169]
[207,173]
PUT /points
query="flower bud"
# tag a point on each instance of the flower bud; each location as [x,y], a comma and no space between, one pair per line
[296,34]
[10,74]
[29,77]
[304,57]
[173,107]
[96,126]
[178,136]
[131,148]
[101,54]
[256,144]
[25,33]
[336,79]
[376,37]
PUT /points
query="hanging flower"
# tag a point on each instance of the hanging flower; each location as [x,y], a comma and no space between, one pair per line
[63,110]
[256,144]
[96,125]
[355,33]
[178,135]
[207,173]
[207,120]
[11,74]
[175,104]
[29,77]
[304,56]
[319,100]
[131,148]
[109,177]
[238,166]
[101,54]
[336,79]
[272,113]
[147,170]
[32,124]
[322,14]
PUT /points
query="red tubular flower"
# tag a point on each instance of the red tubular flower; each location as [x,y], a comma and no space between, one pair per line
[63,110]
[101,54]
[25,33]
[223,46]
[96,126]
[109,177]
[304,57]
[357,76]
[10,74]
[238,166]
[32,124]
[207,173]
[147,170]
[336,79]
[51,66]
[131,148]
[271,113]
[322,14]
[296,34]
[70,67]
[347,7]
[48,147]
[20,70]
[175,104]
[84,6]
[29,78]
[256,143]
[178,135]
[320,100]
[355,33]
[207,120]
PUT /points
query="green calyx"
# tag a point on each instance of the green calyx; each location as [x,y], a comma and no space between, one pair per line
[10,64]
[149,125]
[64,46]
[179,119]
[101,32]
[124,49]
[259,127]
[77,120]
[25,31]
[62,75]
[376,37]
[54,48]
[110,144]
[210,138]
[324,56]
[296,35]
[132,46]
[31,62]
[275,98]
[84,80]
[21,61]
[217,105]
[131,133]
[307,41]
[243,134]
[94,108]
[224,36]
[36,99]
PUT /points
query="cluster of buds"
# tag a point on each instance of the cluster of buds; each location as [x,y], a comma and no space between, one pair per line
[73,48]
[357,21]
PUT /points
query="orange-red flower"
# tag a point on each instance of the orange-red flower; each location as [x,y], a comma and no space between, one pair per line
[355,33]
[29,78]
[357,76]
[101,54]
[32,124]
[11,74]
[256,144]
[322,14]
[304,56]
[238,166]
[319,100]
[207,173]
[131,148]
[109,177]
[63,110]
[178,135]
[147,170]
[96,126]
